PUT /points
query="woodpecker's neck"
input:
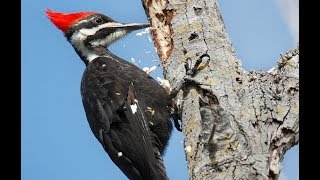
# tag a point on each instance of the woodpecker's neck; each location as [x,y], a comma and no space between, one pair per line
[88,54]
[89,47]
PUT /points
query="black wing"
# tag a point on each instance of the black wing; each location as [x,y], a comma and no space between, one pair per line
[116,114]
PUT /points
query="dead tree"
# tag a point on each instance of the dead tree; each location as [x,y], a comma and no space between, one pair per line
[237,124]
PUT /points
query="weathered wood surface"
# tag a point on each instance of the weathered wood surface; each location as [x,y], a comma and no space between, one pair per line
[237,124]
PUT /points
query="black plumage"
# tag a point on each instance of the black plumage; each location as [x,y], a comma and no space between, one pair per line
[106,87]
[127,110]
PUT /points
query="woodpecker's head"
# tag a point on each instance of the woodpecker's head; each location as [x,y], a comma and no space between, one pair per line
[89,31]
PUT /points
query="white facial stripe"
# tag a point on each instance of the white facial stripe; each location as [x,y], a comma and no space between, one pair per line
[78,38]
[109,39]
[92,31]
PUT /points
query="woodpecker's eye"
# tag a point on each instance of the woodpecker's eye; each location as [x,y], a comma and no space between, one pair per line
[97,20]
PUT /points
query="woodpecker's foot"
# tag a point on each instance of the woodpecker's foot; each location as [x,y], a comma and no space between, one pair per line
[188,79]
[199,65]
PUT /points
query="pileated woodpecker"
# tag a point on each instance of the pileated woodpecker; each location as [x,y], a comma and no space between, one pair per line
[127,110]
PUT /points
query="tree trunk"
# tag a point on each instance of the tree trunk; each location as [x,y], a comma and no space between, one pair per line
[237,124]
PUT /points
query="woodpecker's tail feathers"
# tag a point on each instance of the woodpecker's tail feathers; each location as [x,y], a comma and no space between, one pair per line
[156,169]
[159,161]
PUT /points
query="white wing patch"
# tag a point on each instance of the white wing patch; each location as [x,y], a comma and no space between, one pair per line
[133,108]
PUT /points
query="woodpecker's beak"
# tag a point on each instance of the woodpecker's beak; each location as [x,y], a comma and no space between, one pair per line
[107,33]
[133,26]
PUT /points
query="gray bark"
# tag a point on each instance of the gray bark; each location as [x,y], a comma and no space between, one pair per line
[236,124]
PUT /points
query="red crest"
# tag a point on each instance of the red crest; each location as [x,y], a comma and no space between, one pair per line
[64,21]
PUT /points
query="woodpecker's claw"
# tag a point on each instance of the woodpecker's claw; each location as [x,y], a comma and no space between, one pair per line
[197,66]
[191,72]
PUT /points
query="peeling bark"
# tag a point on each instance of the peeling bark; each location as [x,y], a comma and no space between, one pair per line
[237,124]
[160,14]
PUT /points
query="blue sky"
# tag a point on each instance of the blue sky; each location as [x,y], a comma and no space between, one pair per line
[57,143]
